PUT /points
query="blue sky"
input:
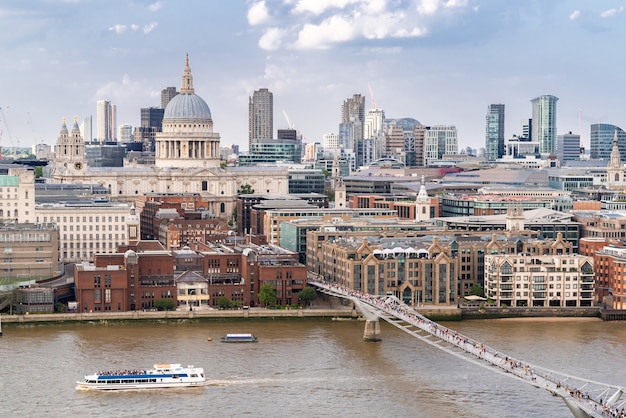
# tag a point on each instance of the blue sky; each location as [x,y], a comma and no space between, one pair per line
[439,61]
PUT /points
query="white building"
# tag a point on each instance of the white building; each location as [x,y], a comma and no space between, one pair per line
[17,194]
[86,228]
[558,280]
[330,141]
[439,141]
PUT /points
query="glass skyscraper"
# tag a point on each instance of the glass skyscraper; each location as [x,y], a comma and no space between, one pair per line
[494,132]
[601,141]
[544,123]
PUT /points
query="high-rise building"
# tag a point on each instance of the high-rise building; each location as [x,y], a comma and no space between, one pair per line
[494,132]
[260,116]
[106,121]
[351,126]
[330,141]
[568,147]
[86,129]
[167,94]
[601,141]
[439,141]
[544,123]
[126,133]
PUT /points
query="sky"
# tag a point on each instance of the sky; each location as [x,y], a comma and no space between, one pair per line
[441,62]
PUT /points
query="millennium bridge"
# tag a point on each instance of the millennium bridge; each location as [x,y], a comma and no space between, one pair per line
[584,398]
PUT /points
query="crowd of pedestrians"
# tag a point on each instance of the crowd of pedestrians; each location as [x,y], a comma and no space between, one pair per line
[523,370]
[120,372]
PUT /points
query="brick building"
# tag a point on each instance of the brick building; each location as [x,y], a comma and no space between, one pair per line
[138,275]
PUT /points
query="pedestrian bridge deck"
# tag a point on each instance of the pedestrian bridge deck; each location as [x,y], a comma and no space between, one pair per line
[585,398]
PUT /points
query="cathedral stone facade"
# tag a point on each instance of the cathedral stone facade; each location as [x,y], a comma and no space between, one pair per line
[187,160]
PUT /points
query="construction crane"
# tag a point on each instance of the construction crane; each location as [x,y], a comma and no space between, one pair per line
[372,95]
[289,124]
[35,134]
[6,126]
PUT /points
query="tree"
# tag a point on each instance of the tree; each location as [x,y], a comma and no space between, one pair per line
[164,304]
[477,290]
[38,171]
[307,295]
[246,189]
[223,302]
[267,294]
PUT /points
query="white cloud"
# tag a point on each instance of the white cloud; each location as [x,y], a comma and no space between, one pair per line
[119,91]
[332,30]
[134,27]
[150,27]
[258,14]
[428,7]
[611,12]
[317,7]
[320,24]
[119,29]
[272,39]
[155,6]
[575,15]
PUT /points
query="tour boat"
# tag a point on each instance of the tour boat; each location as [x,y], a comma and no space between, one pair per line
[160,376]
[239,338]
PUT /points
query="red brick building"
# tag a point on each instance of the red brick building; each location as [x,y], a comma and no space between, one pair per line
[137,276]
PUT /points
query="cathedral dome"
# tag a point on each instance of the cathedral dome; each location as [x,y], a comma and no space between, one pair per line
[187,107]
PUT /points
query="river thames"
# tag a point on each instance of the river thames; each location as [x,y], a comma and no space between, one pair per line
[301,367]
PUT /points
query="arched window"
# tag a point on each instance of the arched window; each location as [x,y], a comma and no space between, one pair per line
[222,207]
[616,176]
[423,209]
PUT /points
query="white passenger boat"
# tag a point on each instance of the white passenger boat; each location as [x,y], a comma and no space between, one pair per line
[160,376]
[239,338]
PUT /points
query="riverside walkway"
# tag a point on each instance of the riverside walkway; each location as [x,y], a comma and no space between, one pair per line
[584,398]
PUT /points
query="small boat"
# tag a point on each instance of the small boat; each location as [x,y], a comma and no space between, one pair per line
[167,375]
[239,338]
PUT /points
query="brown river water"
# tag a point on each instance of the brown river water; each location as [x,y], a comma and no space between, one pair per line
[300,367]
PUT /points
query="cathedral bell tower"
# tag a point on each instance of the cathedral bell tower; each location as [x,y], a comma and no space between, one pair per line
[615,169]
[422,204]
[70,150]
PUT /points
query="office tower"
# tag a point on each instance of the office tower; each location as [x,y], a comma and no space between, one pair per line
[439,141]
[105,117]
[527,127]
[86,129]
[151,123]
[330,141]
[260,116]
[494,132]
[601,141]
[167,94]
[544,123]
[568,147]
[126,133]
[351,126]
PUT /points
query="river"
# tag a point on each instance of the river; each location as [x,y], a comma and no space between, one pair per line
[301,367]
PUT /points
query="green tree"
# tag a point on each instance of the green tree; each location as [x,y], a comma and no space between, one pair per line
[477,290]
[164,304]
[307,295]
[38,171]
[223,302]
[267,294]
[246,189]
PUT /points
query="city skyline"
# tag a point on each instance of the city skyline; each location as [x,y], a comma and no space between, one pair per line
[440,62]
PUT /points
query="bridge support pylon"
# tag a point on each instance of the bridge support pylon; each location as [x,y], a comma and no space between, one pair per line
[372,330]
